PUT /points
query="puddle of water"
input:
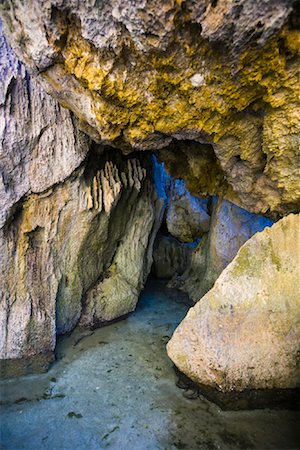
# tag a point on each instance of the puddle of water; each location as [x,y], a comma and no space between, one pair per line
[115,388]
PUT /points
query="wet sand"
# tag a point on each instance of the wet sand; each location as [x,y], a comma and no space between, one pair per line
[114,387]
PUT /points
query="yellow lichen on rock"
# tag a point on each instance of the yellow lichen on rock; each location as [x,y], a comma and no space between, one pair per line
[172,91]
[185,72]
[159,92]
[248,108]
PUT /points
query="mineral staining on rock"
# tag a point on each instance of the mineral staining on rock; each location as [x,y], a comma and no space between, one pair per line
[245,332]
[230,227]
[76,233]
[140,75]
[212,88]
[66,243]
[40,144]
[138,217]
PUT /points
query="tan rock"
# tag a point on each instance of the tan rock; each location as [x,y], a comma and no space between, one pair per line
[245,332]
[62,243]
[143,76]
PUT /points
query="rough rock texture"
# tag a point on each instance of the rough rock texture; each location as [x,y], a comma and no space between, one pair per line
[39,143]
[80,248]
[187,217]
[76,237]
[141,74]
[230,227]
[170,257]
[117,291]
[245,332]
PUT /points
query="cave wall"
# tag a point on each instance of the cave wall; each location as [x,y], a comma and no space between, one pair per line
[199,238]
[213,88]
[78,224]
[230,227]
[40,144]
[80,252]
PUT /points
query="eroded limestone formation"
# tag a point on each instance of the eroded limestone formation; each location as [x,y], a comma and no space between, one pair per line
[80,251]
[76,232]
[143,75]
[213,88]
[230,227]
[244,333]
[40,144]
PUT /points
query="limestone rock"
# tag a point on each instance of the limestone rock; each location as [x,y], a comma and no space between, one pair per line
[39,142]
[170,256]
[117,291]
[187,217]
[245,332]
[230,227]
[142,75]
[66,243]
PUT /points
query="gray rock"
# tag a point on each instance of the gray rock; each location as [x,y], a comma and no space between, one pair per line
[92,233]
[40,144]
[170,257]
[230,228]
[149,25]
[70,225]
[187,217]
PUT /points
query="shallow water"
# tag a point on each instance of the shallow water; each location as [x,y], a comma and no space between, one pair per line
[115,388]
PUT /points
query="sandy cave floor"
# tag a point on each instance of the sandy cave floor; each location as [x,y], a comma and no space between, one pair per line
[115,388]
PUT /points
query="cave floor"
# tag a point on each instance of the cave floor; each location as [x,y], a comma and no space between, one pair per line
[115,388]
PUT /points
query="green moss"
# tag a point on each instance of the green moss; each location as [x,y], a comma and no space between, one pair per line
[275,257]
[246,263]
[242,262]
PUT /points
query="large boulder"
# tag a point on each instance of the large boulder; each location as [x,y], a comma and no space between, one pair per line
[244,334]
[230,227]
[142,75]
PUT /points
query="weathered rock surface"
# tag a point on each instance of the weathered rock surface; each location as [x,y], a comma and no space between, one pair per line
[76,237]
[39,142]
[80,248]
[187,217]
[170,256]
[117,291]
[245,332]
[230,227]
[139,75]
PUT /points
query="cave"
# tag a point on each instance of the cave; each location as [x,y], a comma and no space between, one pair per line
[117,355]
[149,225]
